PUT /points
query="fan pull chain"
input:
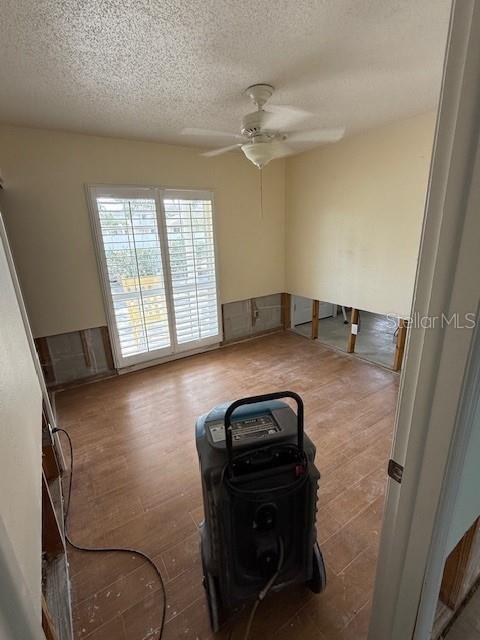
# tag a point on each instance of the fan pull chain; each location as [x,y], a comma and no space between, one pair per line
[261,193]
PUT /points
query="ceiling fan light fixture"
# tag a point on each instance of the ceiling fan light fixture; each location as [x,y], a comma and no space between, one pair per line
[260,153]
[267,134]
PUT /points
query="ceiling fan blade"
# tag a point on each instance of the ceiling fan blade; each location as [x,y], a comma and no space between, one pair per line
[278,116]
[317,135]
[217,152]
[208,133]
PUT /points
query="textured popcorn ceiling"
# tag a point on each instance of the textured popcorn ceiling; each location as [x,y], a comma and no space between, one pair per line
[148,68]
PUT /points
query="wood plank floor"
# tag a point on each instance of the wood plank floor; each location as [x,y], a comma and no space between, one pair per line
[137,483]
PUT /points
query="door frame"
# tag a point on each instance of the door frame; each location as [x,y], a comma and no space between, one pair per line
[17,609]
[428,431]
[49,411]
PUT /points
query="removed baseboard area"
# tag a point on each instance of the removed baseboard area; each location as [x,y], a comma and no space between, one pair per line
[83,356]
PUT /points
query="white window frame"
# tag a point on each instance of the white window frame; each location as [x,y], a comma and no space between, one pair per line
[175,350]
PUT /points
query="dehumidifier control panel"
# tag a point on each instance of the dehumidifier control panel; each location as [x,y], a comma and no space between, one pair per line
[245,429]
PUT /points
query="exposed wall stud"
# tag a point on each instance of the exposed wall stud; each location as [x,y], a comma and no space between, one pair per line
[52,540]
[222,309]
[400,346]
[315,314]
[455,570]
[45,359]
[85,349]
[107,346]
[352,338]
[253,312]
[286,311]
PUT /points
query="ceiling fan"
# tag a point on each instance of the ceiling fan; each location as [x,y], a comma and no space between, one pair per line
[265,132]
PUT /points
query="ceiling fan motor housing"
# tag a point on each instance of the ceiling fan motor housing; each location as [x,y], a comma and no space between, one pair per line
[259,93]
[252,124]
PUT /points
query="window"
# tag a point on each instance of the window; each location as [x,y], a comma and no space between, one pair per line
[156,251]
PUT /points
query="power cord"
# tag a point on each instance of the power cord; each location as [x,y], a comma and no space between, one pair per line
[263,593]
[108,549]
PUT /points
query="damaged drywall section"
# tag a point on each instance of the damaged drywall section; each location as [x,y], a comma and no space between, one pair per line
[255,316]
[86,355]
[76,356]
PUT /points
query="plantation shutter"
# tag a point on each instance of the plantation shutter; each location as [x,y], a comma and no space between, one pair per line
[191,247]
[156,255]
[133,259]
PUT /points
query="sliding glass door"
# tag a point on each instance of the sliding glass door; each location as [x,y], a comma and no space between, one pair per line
[156,252]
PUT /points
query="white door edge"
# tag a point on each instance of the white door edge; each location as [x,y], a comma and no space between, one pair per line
[432,382]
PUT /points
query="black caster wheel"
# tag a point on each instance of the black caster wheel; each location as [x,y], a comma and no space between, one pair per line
[212,601]
[211,591]
[318,581]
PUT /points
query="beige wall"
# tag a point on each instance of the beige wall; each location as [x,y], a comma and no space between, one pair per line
[48,223]
[354,213]
[20,448]
[354,217]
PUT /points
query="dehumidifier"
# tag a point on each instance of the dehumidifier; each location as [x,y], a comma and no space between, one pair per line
[259,484]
